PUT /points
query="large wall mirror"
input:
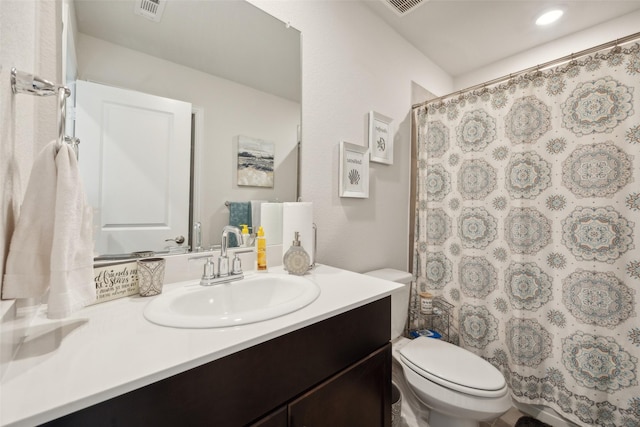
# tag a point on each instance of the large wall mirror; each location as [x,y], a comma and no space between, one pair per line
[212,77]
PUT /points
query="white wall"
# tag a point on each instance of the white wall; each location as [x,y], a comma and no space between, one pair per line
[228,109]
[594,36]
[27,123]
[29,42]
[352,63]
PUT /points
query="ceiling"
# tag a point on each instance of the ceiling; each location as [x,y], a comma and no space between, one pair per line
[464,35]
[460,36]
[230,39]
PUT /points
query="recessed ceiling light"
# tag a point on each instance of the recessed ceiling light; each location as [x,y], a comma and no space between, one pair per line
[549,17]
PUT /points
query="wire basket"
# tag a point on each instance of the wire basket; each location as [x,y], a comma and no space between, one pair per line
[440,321]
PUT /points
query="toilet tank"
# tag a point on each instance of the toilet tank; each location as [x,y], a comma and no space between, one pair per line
[399,299]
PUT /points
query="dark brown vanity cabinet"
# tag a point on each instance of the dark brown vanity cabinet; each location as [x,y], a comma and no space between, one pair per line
[354,397]
[334,373]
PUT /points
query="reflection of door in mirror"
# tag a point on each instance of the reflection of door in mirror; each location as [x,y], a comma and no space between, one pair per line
[135,165]
[237,66]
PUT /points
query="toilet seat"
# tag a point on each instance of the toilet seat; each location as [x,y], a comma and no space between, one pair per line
[453,367]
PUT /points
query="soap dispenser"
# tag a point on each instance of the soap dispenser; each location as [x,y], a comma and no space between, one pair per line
[245,235]
[296,260]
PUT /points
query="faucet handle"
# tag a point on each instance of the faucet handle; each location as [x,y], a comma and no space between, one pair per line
[236,265]
[209,273]
[223,266]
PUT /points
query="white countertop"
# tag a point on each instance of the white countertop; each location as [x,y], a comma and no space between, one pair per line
[109,349]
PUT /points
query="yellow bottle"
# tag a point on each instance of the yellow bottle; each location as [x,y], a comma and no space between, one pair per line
[261,249]
[245,235]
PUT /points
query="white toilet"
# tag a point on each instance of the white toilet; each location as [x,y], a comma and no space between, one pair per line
[441,383]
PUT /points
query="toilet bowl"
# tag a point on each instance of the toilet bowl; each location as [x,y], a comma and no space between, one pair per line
[454,386]
[459,387]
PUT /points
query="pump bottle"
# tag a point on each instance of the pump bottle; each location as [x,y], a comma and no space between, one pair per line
[261,249]
[296,259]
[245,235]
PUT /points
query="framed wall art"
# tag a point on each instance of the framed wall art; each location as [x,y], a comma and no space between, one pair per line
[255,162]
[380,138]
[354,170]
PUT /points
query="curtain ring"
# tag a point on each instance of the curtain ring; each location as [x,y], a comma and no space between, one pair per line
[538,73]
[573,62]
[616,49]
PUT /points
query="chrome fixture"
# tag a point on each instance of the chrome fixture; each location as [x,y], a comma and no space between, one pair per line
[209,275]
[315,246]
[197,237]
[179,240]
[216,274]
[236,266]
[223,261]
[22,82]
[212,275]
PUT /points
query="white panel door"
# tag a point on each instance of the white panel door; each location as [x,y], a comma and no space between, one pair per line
[135,164]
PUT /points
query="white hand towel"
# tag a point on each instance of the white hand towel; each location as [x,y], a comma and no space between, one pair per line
[52,246]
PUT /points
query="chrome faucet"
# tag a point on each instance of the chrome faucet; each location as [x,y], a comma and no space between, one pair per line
[211,275]
[223,261]
[225,238]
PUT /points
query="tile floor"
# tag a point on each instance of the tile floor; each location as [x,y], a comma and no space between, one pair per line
[509,419]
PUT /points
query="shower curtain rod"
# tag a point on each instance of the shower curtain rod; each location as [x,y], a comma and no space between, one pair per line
[573,56]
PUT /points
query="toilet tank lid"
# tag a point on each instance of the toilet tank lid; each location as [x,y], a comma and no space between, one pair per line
[392,275]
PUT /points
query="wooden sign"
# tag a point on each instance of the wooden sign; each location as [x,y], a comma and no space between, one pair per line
[115,281]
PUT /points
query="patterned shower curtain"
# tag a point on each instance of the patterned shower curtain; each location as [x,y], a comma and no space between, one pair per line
[527,220]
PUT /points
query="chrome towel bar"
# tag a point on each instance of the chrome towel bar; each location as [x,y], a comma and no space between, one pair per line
[22,82]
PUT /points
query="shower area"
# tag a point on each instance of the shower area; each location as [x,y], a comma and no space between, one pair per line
[527,216]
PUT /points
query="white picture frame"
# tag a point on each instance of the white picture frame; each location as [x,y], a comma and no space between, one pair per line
[380,138]
[354,170]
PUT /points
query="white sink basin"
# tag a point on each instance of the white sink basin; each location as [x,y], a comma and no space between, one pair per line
[252,299]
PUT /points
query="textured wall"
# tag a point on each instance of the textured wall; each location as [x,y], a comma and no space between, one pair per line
[29,38]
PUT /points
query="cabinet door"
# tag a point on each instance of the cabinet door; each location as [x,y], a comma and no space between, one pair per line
[357,396]
[277,418]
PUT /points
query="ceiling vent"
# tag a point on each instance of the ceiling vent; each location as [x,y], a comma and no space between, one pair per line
[150,9]
[403,7]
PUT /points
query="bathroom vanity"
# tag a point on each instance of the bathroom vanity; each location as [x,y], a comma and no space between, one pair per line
[328,363]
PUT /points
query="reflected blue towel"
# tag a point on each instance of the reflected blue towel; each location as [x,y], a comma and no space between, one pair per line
[239,214]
